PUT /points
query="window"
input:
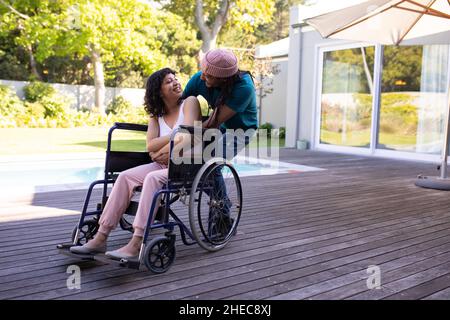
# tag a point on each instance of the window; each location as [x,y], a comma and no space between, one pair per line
[346,98]
[413,98]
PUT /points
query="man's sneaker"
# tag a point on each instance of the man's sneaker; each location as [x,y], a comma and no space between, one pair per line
[220,232]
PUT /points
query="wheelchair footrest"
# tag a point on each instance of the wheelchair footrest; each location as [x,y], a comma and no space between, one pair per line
[64,248]
[132,263]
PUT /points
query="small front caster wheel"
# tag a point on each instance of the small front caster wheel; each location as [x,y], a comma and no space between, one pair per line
[87,232]
[159,254]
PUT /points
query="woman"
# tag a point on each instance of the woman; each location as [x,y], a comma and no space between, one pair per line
[167,111]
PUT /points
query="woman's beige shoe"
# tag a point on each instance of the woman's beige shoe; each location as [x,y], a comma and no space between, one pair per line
[88,250]
[116,255]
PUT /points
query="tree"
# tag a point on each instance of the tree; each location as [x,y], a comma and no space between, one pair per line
[278,27]
[113,33]
[33,21]
[265,71]
[211,16]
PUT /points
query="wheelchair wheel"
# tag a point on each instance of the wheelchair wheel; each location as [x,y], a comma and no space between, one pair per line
[87,232]
[215,204]
[159,254]
[126,223]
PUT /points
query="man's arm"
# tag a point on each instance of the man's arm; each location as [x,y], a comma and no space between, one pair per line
[219,116]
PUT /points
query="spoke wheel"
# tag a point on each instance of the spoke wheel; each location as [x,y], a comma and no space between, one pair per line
[87,232]
[126,222]
[215,204]
[159,254]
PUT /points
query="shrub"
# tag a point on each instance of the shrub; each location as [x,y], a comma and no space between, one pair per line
[35,109]
[37,90]
[267,126]
[10,104]
[282,132]
[119,105]
[54,106]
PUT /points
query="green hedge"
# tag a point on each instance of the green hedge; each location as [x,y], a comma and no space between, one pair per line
[44,108]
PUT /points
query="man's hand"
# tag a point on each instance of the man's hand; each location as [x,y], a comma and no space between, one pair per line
[219,116]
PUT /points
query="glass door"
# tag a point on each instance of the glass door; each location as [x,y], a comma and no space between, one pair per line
[346,97]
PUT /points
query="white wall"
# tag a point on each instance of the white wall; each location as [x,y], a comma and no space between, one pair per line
[81,96]
[274,104]
[301,81]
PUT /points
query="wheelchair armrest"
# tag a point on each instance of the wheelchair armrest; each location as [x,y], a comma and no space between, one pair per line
[130,126]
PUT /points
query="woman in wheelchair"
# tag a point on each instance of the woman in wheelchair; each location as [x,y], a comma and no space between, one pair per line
[167,111]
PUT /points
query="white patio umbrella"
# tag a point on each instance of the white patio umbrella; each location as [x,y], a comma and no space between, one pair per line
[393,22]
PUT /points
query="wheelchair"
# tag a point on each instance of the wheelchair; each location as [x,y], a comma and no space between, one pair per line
[210,188]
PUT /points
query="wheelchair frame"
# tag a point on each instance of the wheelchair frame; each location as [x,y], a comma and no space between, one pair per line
[173,191]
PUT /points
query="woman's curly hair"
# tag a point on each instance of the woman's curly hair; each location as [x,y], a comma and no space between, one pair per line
[153,102]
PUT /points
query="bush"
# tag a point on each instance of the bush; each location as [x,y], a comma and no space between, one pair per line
[282,132]
[38,90]
[119,105]
[50,112]
[54,106]
[10,104]
[267,126]
[35,109]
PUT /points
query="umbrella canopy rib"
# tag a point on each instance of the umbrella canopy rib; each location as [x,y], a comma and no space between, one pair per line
[359,20]
[415,21]
[427,9]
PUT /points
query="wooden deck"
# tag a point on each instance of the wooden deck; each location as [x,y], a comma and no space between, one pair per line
[305,235]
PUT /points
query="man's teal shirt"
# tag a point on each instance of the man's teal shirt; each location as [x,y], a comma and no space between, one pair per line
[242,100]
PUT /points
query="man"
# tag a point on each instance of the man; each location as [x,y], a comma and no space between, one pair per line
[231,94]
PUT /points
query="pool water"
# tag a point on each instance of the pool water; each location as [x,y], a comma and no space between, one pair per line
[52,175]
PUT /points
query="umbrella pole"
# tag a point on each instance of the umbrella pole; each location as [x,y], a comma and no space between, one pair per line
[445,150]
[442,182]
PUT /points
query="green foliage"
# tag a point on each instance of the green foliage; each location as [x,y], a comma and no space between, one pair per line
[10,104]
[127,79]
[282,132]
[37,90]
[44,102]
[268,127]
[132,38]
[402,64]
[344,70]
[54,106]
[118,105]
[178,42]
[243,14]
[35,109]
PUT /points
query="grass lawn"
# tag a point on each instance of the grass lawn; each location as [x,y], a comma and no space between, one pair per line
[362,138]
[22,141]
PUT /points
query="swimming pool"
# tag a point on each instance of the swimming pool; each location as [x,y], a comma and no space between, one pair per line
[77,172]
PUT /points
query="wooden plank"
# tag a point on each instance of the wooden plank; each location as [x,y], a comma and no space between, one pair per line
[326,223]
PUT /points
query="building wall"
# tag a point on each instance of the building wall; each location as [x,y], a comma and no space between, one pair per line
[301,82]
[304,91]
[82,96]
[274,104]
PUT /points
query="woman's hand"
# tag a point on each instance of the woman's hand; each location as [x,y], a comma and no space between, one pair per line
[160,157]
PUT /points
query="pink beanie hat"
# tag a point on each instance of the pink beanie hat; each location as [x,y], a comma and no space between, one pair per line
[220,63]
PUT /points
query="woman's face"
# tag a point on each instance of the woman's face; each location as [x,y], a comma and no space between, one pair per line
[171,87]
